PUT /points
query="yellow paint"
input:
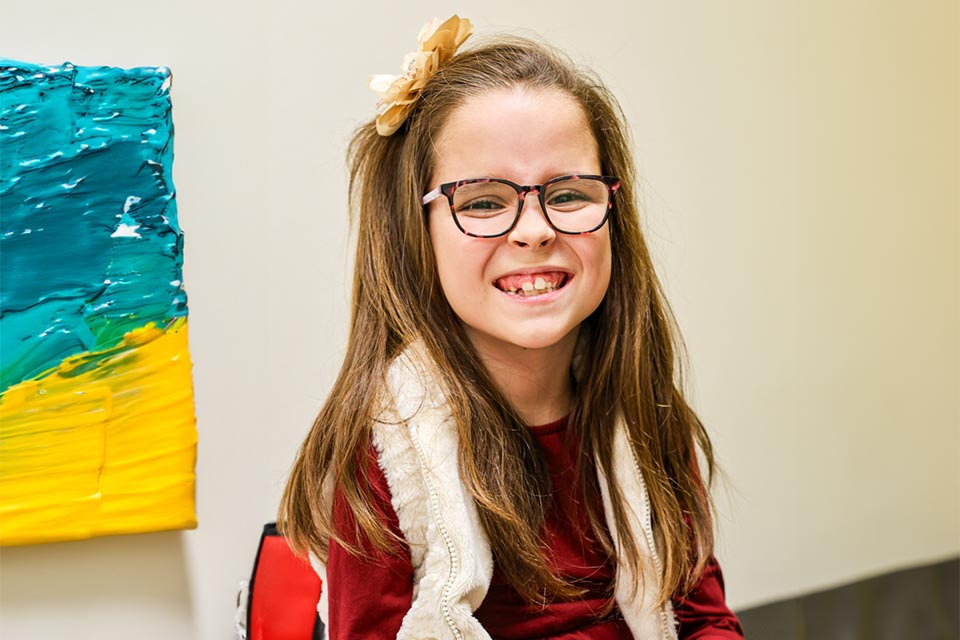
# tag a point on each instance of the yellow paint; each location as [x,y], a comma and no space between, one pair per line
[103,444]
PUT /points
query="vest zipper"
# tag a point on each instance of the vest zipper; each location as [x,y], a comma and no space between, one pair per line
[665,625]
[451,549]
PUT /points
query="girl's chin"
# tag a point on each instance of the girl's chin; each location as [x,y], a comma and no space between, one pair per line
[528,340]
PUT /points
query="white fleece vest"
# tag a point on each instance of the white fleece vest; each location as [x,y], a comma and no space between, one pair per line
[417,443]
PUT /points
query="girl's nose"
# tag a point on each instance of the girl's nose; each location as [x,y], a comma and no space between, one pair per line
[532,229]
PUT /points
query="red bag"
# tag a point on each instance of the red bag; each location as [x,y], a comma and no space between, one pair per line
[283,593]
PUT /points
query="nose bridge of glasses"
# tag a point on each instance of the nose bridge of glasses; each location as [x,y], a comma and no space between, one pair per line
[531,190]
[540,214]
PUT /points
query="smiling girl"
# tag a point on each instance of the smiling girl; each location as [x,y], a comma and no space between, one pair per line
[506,452]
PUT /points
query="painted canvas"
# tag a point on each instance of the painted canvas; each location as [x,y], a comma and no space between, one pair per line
[97,427]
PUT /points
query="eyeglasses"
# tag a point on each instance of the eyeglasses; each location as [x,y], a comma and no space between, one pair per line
[491,207]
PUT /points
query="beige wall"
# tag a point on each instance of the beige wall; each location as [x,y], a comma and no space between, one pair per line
[801,162]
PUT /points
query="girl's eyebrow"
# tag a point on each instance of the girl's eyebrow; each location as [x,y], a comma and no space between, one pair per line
[571,172]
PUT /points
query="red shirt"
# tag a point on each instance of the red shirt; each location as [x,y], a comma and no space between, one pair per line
[368,599]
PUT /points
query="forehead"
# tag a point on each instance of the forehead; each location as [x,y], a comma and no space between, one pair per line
[523,134]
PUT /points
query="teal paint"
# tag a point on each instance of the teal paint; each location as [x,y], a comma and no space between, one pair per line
[90,247]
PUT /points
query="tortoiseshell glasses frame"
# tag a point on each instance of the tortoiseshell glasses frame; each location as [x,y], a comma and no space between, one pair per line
[571,204]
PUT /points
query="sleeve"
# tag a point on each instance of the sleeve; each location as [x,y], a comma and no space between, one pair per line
[703,613]
[367,596]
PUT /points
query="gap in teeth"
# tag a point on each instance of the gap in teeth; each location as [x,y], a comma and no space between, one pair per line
[538,286]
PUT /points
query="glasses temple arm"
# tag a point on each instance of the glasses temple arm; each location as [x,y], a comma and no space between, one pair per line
[433,195]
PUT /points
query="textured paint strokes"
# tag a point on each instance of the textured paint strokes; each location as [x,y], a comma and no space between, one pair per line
[89,242]
[98,434]
[105,444]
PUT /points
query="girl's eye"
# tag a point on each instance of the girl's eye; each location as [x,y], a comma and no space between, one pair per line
[567,198]
[482,207]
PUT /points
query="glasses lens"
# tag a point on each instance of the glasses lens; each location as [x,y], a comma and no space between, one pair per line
[485,208]
[578,204]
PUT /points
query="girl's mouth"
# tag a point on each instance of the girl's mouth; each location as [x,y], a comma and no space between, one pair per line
[532,284]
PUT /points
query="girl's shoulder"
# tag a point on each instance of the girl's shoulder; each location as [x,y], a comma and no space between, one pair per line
[412,392]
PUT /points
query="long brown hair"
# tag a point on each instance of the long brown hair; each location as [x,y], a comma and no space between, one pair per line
[630,350]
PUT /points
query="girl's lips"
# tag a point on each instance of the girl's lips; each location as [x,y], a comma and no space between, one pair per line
[533,286]
[531,282]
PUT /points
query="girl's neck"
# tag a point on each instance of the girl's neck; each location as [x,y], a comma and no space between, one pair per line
[537,382]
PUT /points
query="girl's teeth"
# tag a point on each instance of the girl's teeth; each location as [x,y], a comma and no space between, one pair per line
[532,284]
[534,288]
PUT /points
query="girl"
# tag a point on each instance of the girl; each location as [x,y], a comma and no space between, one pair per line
[506,451]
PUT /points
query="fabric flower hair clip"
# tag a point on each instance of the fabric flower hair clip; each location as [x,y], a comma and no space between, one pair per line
[398,94]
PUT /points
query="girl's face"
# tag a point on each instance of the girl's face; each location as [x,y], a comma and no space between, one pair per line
[526,136]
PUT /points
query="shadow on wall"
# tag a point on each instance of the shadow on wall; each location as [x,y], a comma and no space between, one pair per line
[112,587]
